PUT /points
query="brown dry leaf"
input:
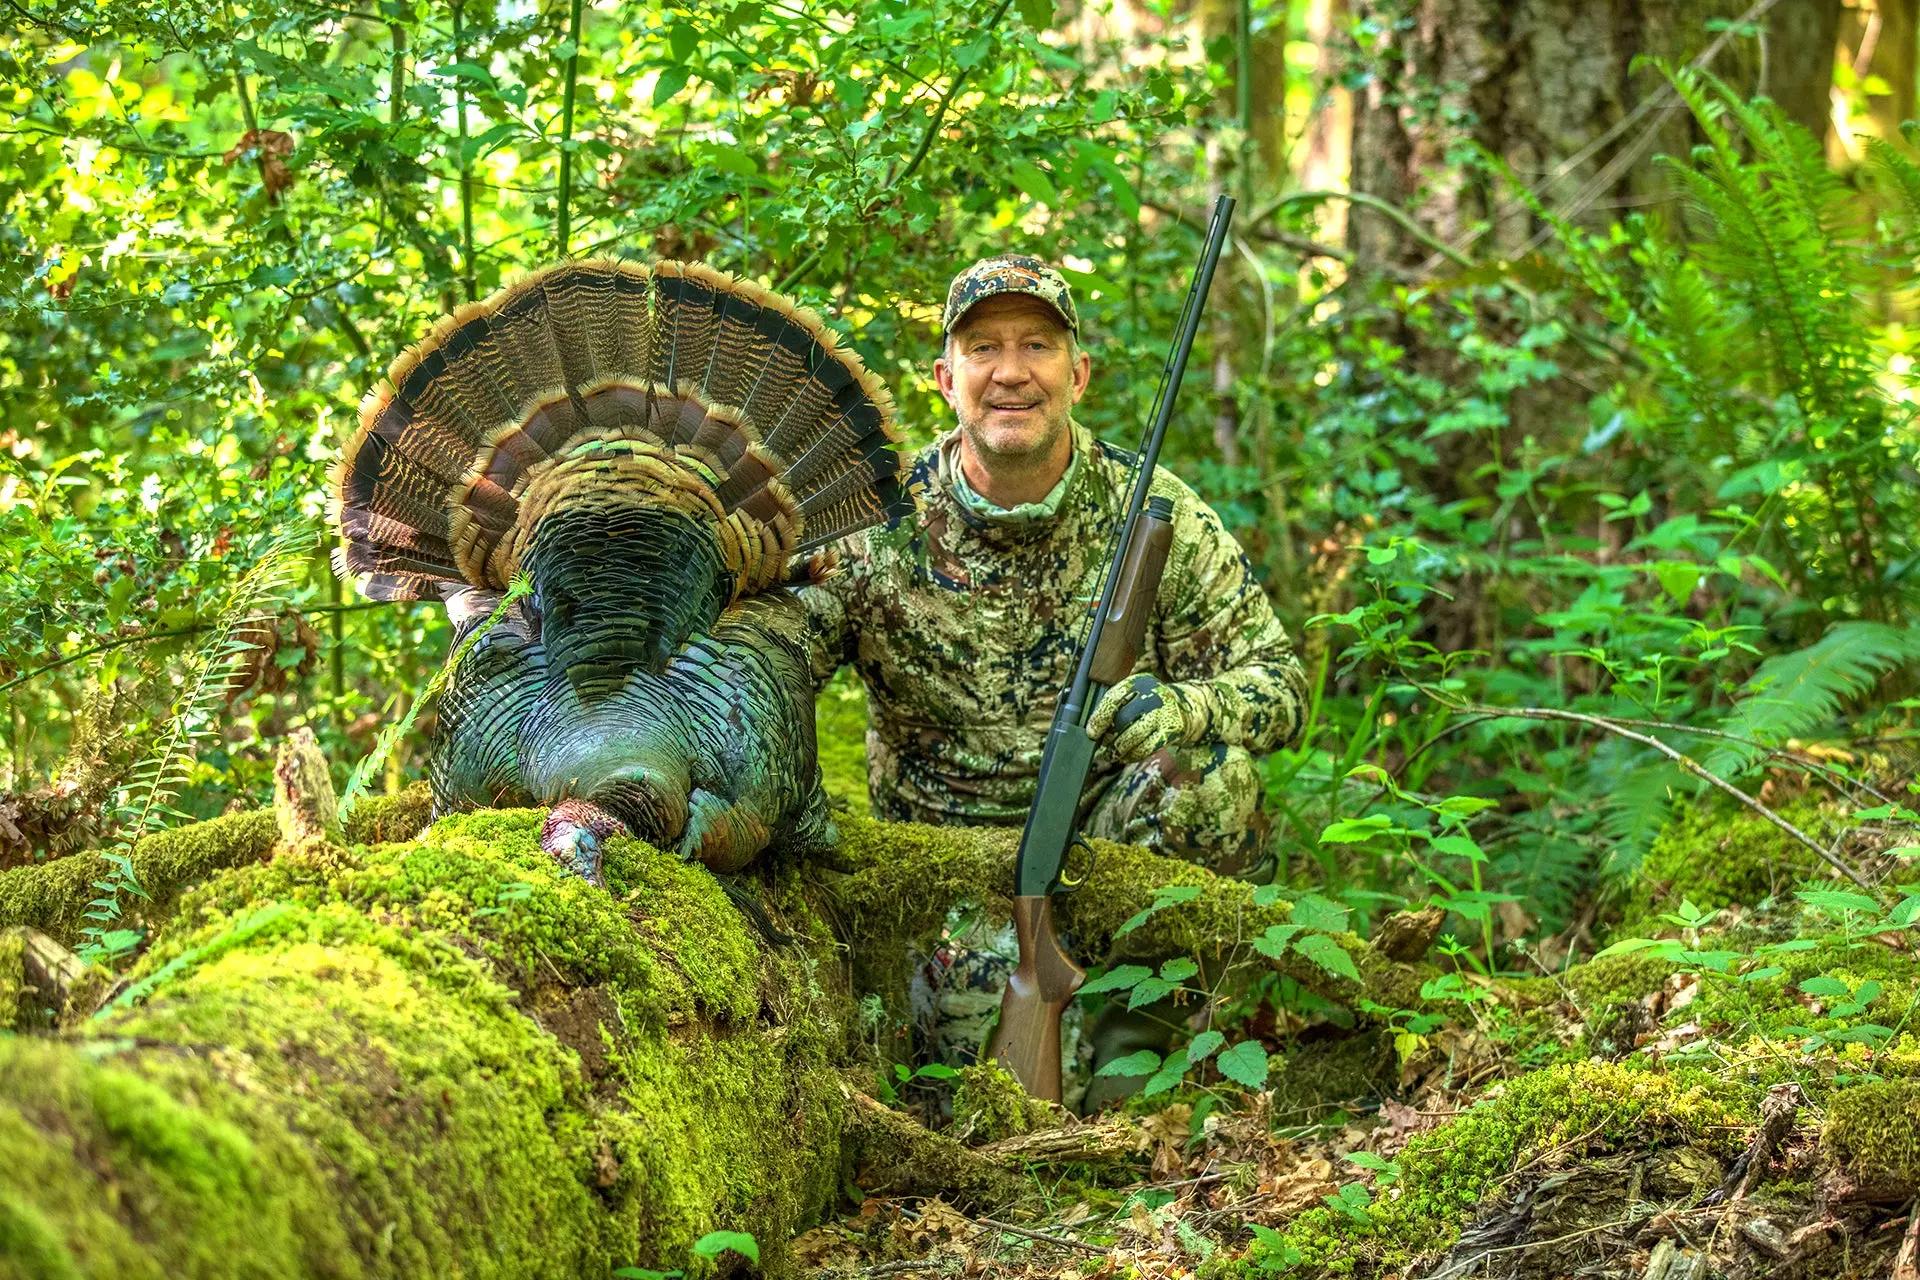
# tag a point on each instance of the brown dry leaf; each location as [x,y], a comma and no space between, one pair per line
[1402,1122]
[268,148]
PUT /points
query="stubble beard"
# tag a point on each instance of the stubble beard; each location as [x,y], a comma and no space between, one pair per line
[1018,460]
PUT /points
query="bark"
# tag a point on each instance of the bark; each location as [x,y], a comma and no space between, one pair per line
[1539,84]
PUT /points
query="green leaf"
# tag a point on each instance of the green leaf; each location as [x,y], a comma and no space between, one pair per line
[1037,14]
[1311,911]
[1823,985]
[1203,1045]
[1329,955]
[1244,1064]
[1627,946]
[1354,830]
[682,41]
[485,144]
[1837,900]
[936,1071]
[1033,180]
[1280,1256]
[1274,942]
[715,1243]
[671,82]
[1677,578]
[1465,806]
[1459,847]
[1178,969]
[1143,1063]
[731,160]
[1162,899]
[1268,894]
[1117,979]
[468,71]
[1168,1075]
[1868,992]
[1150,990]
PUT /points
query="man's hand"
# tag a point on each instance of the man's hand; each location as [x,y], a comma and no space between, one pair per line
[1140,716]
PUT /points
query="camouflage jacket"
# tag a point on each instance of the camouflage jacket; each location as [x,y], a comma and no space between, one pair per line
[964,628]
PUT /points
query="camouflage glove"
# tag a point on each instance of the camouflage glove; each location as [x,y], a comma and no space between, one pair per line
[1140,716]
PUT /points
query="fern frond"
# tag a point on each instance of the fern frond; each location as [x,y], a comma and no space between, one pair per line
[1794,692]
[1638,803]
[145,802]
[391,734]
[1897,177]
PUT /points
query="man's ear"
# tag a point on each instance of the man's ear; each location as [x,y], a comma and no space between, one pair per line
[943,378]
[1082,374]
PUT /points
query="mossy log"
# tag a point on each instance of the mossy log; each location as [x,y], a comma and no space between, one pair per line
[444,1056]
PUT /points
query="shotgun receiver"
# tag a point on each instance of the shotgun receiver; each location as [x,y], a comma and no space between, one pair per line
[1027,1039]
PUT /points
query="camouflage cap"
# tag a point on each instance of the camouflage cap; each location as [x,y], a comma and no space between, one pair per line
[1008,273]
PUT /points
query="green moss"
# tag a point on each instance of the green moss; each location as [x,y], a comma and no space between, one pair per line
[13,978]
[959,864]
[989,1104]
[441,1057]
[53,896]
[1717,854]
[1873,1134]
[1446,1173]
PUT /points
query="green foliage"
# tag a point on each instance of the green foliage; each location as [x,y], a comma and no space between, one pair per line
[146,805]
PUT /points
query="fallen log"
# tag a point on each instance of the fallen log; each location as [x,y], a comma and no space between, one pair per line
[444,1056]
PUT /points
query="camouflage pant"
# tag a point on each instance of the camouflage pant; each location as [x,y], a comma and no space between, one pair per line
[1198,803]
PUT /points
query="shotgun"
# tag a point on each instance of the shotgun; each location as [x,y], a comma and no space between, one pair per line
[1027,1039]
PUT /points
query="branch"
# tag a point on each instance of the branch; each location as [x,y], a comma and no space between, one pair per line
[175,633]
[919,153]
[1386,207]
[1685,762]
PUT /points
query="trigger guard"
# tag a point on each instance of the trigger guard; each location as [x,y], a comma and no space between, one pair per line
[1069,885]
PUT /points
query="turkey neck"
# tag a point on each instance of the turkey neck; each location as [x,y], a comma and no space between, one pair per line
[619,587]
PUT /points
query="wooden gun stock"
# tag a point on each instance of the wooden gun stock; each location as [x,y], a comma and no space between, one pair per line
[1027,1041]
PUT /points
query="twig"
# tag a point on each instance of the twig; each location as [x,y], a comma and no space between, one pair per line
[175,633]
[946,99]
[1065,1242]
[1386,207]
[1687,763]
[466,161]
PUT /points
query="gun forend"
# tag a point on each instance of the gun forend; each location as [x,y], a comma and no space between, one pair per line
[1125,632]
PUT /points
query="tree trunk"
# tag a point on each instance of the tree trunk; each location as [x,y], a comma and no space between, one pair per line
[1542,85]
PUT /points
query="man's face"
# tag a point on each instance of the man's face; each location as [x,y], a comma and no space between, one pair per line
[1011,378]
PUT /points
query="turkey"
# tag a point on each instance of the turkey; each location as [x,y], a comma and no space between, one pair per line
[662,450]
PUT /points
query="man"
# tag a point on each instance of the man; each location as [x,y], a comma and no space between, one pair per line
[965,622]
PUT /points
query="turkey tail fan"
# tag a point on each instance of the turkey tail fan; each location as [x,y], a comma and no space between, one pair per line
[605,381]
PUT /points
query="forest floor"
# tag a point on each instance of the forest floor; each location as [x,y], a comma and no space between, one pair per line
[1741,1100]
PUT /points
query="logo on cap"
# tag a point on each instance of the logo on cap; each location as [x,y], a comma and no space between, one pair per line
[1009,273]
